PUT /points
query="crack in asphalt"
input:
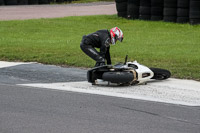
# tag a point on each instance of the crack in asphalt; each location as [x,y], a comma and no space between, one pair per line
[158,115]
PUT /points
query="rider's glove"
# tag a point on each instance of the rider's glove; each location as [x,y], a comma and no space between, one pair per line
[99,64]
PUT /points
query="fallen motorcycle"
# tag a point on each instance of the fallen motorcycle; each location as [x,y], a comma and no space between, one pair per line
[127,73]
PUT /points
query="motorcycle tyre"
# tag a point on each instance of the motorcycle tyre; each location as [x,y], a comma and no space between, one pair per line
[160,74]
[118,77]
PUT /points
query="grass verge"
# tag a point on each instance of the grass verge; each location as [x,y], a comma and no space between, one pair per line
[171,46]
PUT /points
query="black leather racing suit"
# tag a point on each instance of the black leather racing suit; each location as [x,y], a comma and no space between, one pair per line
[99,39]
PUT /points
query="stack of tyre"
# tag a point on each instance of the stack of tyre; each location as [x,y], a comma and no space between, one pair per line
[157,10]
[170,10]
[2,2]
[121,6]
[22,2]
[60,1]
[145,10]
[133,9]
[10,2]
[180,11]
[35,2]
[194,12]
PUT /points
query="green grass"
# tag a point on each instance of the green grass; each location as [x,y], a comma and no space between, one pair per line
[171,46]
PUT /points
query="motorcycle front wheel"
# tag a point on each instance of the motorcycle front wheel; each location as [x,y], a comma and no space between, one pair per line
[160,74]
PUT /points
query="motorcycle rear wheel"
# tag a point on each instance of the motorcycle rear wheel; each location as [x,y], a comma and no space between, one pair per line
[160,74]
[118,77]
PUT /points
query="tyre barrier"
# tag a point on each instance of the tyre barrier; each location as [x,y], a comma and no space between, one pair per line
[22,2]
[43,2]
[2,2]
[170,10]
[121,6]
[32,2]
[194,12]
[10,2]
[145,10]
[59,1]
[157,10]
[177,11]
[133,9]
[182,11]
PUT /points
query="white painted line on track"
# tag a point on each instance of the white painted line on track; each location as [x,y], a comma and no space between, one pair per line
[174,91]
[4,64]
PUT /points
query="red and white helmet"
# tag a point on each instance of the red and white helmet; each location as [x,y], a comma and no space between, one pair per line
[116,34]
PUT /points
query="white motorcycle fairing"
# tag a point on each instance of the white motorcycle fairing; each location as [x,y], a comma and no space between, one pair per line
[144,74]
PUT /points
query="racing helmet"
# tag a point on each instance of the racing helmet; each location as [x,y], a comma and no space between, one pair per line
[116,34]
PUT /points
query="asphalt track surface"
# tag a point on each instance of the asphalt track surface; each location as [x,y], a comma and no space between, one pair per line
[33,109]
[29,105]
[54,11]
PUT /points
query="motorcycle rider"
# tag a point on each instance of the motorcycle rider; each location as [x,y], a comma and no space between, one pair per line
[101,39]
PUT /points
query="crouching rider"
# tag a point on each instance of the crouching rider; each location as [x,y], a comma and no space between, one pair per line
[101,39]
